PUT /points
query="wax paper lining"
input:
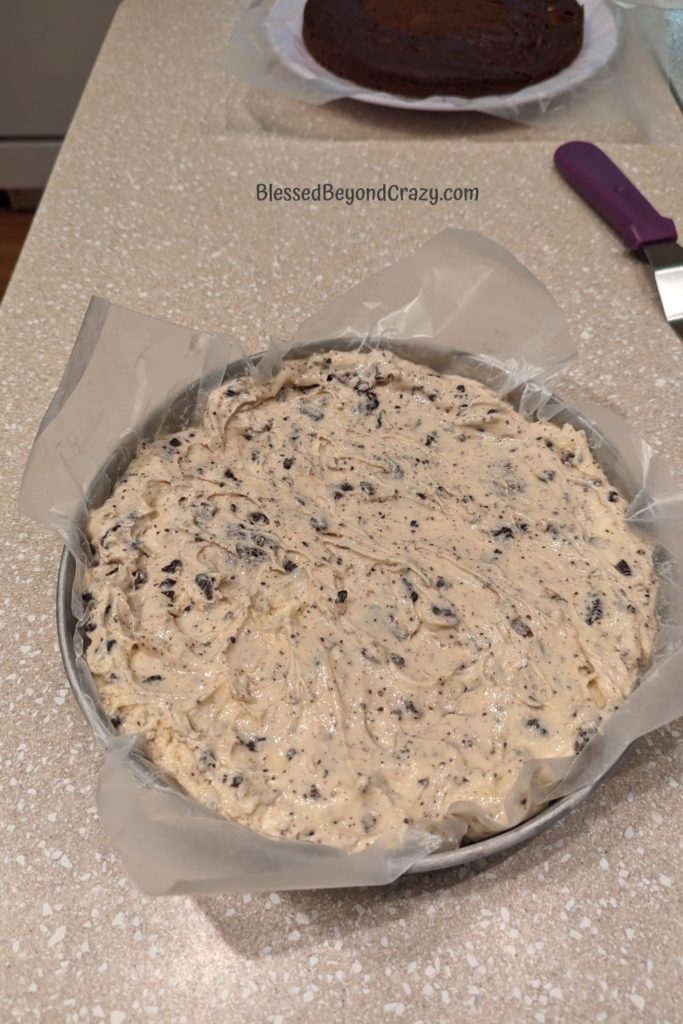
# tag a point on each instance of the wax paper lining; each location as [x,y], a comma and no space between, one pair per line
[461,303]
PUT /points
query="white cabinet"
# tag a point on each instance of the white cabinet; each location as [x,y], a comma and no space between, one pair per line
[47,49]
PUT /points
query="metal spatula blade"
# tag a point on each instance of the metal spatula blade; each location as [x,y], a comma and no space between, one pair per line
[607,189]
[666,259]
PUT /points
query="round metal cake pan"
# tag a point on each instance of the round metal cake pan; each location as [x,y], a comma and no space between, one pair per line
[85,692]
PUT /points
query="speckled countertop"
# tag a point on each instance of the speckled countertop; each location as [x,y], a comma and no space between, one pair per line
[152,204]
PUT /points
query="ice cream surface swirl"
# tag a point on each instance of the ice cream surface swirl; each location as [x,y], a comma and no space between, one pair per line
[363,594]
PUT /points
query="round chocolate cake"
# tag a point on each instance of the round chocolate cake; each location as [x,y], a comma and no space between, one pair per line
[444,47]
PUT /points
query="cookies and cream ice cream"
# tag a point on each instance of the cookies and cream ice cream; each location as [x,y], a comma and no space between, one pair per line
[361,594]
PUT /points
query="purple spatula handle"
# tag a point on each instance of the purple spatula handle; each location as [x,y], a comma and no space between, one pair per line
[612,195]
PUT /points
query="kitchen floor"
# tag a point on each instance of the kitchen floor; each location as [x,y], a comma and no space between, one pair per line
[14,226]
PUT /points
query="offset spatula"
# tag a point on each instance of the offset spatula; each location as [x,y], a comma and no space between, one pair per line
[642,229]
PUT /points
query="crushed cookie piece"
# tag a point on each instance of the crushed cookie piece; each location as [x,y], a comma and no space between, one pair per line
[594,611]
[205,584]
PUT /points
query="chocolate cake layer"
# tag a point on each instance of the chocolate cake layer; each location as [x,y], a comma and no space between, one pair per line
[444,47]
